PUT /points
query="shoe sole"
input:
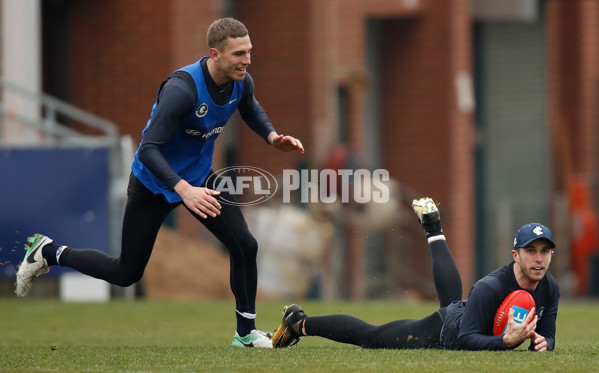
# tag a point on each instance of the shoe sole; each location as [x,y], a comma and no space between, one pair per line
[425,214]
[282,337]
[25,275]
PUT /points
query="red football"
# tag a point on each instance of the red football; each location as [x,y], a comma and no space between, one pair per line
[521,301]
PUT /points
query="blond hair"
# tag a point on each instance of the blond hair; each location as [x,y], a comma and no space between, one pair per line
[222,29]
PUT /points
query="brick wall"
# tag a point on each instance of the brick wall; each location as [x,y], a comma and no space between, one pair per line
[427,143]
[319,46]
[573,37]
[122,51]
[305,50]
[461,177]
[280,72]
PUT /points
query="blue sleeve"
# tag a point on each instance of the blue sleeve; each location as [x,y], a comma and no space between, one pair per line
[252,113]
[476,329]
[175,101]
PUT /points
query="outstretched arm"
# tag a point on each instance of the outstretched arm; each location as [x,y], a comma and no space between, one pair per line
[285,143]
[255,117]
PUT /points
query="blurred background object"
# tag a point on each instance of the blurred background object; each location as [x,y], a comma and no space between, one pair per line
[490,107]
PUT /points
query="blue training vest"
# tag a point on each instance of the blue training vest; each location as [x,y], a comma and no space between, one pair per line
[190,151]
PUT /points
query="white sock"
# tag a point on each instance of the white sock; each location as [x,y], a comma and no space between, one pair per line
[436,238]
[303,327]
[58,253]
[246,315]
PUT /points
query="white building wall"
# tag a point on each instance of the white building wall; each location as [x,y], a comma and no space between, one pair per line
[21,65]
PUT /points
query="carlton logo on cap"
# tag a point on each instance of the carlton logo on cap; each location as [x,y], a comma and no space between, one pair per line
[530,232]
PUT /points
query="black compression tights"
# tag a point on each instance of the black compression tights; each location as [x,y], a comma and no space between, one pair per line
[399,334]
[144,214]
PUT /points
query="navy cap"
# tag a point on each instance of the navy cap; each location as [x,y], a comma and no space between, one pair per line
[530,232]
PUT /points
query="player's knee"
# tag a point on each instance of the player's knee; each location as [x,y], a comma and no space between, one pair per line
[243,248]
[250,248]
[129,278]
[247,250]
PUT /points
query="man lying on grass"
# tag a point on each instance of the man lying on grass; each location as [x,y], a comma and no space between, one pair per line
[457,324]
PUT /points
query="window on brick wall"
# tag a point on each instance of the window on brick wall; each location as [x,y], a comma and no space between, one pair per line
[343,110]
[55,51]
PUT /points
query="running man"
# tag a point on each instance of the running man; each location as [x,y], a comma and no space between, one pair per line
[171,166]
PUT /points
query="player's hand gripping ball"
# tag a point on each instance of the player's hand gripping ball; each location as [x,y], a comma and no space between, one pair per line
[521,301]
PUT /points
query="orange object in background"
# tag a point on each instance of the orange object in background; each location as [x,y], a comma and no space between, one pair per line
[584,235]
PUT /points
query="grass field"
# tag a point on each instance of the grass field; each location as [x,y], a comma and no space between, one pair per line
[142,336]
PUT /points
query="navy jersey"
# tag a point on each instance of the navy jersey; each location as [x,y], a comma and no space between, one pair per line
[189,113]
[468,324]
